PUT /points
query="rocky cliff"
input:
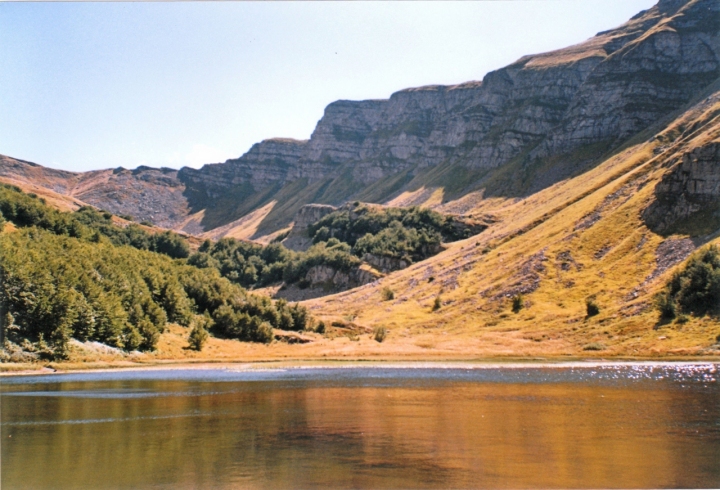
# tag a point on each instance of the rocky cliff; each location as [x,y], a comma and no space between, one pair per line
[690,193]
[298,238]
[522,128]
[601,91]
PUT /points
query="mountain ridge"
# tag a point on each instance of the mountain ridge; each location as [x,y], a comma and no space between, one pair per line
[593,169]
[540,119]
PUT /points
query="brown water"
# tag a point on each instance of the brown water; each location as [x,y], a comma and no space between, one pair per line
[620,426]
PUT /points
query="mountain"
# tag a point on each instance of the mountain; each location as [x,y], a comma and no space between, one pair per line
[611,238]
[523,128]
[594,169]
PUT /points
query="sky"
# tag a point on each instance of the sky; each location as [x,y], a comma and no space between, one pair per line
[86,86]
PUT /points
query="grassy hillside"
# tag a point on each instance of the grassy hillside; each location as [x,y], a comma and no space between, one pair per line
[571,271]
[580,242]
[78,277]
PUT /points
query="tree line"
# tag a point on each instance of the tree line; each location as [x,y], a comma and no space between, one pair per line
[73,275]
[26,210]
[340,240]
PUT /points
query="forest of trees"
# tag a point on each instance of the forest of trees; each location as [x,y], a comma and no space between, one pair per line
[26,210]
[79,275]
[75,275]
[340,240]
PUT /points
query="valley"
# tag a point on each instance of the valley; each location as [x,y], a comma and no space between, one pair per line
[563,192]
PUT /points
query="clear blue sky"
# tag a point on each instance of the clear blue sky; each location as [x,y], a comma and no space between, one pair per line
[96,85]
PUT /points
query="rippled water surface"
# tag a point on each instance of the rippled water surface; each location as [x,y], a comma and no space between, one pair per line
[514,427]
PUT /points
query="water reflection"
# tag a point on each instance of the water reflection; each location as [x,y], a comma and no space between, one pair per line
[364,428]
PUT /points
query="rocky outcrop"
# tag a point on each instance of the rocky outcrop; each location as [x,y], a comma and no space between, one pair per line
[298,238]
[311,213]
[385,264]
[691,187]
[601,91]
[323,275]
[267,163]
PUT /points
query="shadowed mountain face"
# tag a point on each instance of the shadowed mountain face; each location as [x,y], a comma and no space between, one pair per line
[523,128]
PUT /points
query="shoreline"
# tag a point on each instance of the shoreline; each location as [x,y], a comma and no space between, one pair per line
[485,363]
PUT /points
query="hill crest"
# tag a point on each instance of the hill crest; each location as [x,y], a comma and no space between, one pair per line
[521,129]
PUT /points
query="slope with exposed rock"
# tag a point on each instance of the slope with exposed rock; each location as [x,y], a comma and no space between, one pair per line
[524,127]
[593,168]
[589,239]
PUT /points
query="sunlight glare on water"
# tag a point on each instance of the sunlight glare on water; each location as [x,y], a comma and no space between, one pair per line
[632,425]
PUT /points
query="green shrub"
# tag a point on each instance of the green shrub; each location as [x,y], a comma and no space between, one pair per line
[199,334]
[379,334]
[264,333]
[198,337]
[437,304]
[667,306]
[695,290]
[300,316]
[683,318]
[387,294]
[591,307]
[320,327]
[517,303]
[594,346]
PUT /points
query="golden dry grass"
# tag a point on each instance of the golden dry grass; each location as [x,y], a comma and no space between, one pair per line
[609,260]
[243,228]
[551,238]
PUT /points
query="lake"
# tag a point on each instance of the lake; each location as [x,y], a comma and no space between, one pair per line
[456,426]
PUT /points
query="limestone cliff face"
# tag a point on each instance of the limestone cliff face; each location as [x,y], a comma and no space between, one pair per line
[692,186]
[603,90]
[650,72]
[265,164]
[547,116]
[298,238]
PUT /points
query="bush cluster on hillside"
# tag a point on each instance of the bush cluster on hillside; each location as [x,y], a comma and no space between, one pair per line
[695,290]
[59,279]
[340,241]
[26,210]
[411,234]
[249,264]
